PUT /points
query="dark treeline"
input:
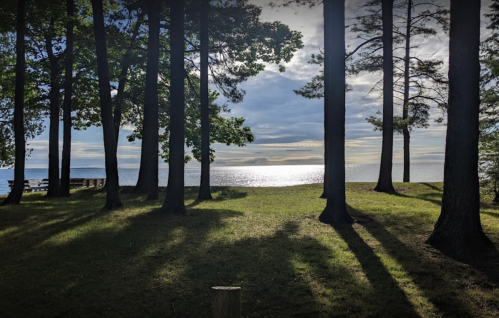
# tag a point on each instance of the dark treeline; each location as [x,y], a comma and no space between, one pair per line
[149,63]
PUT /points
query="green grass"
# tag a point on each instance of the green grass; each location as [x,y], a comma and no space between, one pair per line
[66,258]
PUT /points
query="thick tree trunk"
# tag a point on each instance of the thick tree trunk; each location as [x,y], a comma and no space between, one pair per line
[125,65]
[458,230]
[68,92]
[53,171]
[148,173]
[174,201]
[405,110]
[204,189]
[385,172]
[334,101]
[113,199]
[16,193]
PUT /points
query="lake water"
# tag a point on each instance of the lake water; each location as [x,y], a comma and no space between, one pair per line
[249,176]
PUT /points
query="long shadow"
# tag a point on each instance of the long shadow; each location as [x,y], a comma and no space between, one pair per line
[295,268]
[496,215]
[419,268]
[219,194]
[381,280]
[119,270]
[426,197]
[433,187]
[150,264]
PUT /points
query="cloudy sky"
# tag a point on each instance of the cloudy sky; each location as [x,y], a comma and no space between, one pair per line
[287,127]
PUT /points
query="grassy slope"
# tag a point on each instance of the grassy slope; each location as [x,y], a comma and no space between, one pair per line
[64,257]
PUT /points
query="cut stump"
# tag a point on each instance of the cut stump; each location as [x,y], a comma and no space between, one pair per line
[226,302]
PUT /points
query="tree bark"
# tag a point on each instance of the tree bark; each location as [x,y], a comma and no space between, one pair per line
[204,189]
[405,110]
[113,198]
[16,192]
[68,93]
[148,173]
[174,201]
[385,172]
[53,171]
[458,231]
[226,302]
[326,155]
[125,65]
[334,101]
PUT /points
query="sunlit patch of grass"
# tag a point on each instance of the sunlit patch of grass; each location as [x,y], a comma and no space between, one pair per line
[66,257]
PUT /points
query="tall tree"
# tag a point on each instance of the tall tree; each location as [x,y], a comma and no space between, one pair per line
[16,192]
[334,105]
[458,230]
[53,170]
[68,95]
[418,82]
[148,173]
[113,198]
[174,200]
[385,173]
[405,106]
[489,105]
[126,62]
[204,189]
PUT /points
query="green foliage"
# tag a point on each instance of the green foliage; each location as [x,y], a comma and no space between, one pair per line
[315,88]
[427,82]
[428,85]
[229,131]
[33,114]
[489,105]
[240,44]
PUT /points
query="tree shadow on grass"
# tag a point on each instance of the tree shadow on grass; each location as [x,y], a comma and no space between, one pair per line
[493,214]
[432,197]
[142,263]
[139,264]
[289,275]
[421,268]
[218,193]
[382,281]
[432,186]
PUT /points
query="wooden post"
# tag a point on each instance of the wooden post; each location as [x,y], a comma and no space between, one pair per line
[226,302]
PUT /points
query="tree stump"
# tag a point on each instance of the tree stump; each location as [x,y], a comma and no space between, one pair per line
[226,302]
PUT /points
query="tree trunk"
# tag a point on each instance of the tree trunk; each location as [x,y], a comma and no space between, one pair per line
[204,189]
[458,231]
[385,172]
[326,155]
[405,110]
[53,173]
[174,201]
[68,92]
[334,101]
[148,173]
[113,199]
[125,65]
[16,192]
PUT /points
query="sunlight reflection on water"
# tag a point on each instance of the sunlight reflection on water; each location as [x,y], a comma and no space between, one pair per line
[251,176]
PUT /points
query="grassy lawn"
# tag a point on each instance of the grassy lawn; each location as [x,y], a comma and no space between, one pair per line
[66,258]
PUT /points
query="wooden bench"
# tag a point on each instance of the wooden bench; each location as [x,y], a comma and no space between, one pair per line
[34,185]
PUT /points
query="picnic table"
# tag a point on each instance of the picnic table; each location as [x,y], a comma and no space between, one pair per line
[34,185]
